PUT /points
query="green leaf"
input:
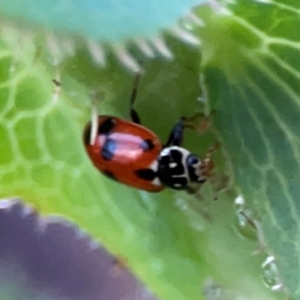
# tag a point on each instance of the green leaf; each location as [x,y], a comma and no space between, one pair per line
[252,76]
[105,20]
[162,237]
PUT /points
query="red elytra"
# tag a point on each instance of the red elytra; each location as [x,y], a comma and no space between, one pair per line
[133,155]
[121,148]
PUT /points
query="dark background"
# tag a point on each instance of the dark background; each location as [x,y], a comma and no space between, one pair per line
[50,259]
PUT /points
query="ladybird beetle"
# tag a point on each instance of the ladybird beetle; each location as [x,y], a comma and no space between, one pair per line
[131,154]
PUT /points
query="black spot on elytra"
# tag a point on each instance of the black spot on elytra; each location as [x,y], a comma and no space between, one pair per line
[107,126]
[147,145]
[110,174]
[146,174]
[108,149]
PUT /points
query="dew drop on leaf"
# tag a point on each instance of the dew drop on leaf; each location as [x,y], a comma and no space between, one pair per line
[243,222]
[271,275]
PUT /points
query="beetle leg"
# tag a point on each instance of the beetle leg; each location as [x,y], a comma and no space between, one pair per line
[209,164]
[133,114]
[219,181]
[176,135]
[199,126]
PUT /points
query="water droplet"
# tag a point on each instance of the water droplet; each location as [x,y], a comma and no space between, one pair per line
[271,275]
[244,223]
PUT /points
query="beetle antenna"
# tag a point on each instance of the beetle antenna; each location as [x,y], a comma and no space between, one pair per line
[134,89]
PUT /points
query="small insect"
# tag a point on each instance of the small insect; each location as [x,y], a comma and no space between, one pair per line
[131,154]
